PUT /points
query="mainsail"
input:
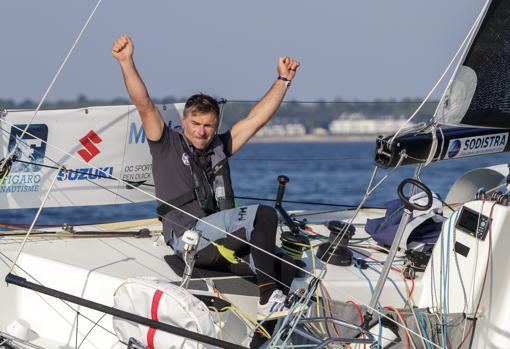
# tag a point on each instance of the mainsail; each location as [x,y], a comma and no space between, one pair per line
[479,94]
[477,99]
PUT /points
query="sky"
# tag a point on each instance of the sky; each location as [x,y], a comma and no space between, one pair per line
[349,49]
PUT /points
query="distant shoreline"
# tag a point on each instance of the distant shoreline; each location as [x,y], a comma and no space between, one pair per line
[313,138]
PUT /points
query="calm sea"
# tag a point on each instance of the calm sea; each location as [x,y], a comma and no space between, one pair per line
[332,173]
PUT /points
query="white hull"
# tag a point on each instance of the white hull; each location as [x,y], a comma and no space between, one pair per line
[94,267]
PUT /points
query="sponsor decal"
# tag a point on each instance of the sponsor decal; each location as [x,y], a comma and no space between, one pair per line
[454,148]
[470,146]
[137,172]
[88,173]
[137,133]
[242,213]
[90,151]
[30,148]
[21,183]
[136,175]
[24,177]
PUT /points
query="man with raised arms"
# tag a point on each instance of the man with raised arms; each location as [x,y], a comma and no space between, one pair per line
[190,170]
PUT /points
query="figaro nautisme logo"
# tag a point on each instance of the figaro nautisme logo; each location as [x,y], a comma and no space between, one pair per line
[470,146]
[31,147]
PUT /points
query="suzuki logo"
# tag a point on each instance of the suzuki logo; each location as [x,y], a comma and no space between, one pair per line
[88,142]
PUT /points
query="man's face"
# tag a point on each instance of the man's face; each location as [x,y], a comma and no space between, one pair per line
[200,129]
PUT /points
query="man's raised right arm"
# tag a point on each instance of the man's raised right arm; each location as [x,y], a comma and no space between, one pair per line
[153,123]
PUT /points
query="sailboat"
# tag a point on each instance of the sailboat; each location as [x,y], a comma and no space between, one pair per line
[118,285]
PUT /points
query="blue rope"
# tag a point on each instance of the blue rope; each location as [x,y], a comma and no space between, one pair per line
[394,284]
[423,327]
[445,281]
[379,320]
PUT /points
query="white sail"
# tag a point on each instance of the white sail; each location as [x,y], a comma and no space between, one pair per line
[479,93]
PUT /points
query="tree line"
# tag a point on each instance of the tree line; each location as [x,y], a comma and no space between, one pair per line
[310,113]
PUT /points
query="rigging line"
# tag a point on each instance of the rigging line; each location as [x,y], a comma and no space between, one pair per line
[463,46]
[171,221]
[300,202]
[482,289]
[380,313]
[303,300]
[9,340]
[334,245]
[152,185]
[332,102]
[55,77]
[433,145]
[475,267]
[166,203]
[80,172]
[96,323]
[58,168]
[34,221]
[459,272]
[369,192]
[471,35]
[168,220]
[28,145]
[223,105]
[301,159]
[315,213]
[94,326]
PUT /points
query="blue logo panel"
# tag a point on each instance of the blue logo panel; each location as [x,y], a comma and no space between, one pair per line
[454,148]
[30,149]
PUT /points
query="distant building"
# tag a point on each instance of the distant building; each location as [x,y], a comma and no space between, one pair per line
[358,124]
[293,129]
[320,131]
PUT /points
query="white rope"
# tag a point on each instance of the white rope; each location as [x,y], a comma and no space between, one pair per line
[369,192]
[164,202]
[321,277]
[380,313]
[433,145]
[53,80]
[257,269]
[462,46]
[35,219]
[334,245]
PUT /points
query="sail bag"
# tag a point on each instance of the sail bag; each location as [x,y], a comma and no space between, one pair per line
[422,230]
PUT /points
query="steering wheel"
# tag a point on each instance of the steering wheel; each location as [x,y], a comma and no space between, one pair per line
[406,200]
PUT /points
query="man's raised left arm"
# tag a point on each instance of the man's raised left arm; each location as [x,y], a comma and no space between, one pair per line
[264,110]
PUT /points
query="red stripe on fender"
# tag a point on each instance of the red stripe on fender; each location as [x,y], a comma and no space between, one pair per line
[150,337]
[154,315]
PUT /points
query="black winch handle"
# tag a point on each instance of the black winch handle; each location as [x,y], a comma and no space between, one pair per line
[406,200]
[282,181]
